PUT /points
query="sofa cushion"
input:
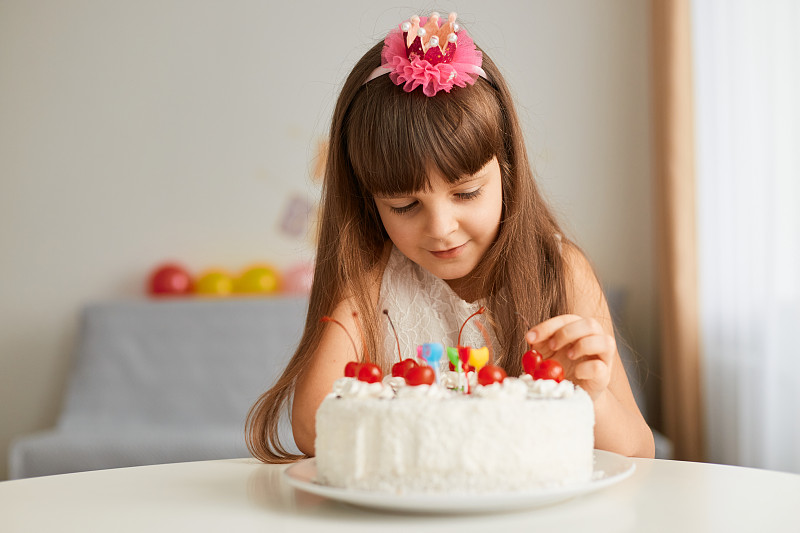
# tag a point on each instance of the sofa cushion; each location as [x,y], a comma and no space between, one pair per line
[178,363]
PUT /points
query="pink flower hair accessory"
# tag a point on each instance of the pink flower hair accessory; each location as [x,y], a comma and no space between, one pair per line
[421,52]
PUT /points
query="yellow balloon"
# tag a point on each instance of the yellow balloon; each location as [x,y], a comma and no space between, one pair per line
[214,283]
[258,280]
[478,357]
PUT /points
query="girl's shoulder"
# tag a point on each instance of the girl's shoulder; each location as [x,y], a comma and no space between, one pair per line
[584,292]
[579,270]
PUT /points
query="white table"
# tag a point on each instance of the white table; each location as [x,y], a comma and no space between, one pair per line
[243,495]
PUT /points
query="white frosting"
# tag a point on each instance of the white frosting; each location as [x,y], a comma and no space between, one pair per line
[509,389]
[430,392]
[353,388]
[394,382]
[503,437]
[456,380]
[548,388]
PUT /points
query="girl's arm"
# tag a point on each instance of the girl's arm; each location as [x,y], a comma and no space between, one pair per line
[328,360]
[583,342]
[327,365]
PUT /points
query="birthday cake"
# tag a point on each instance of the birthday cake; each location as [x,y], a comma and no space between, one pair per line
[471,429]
[518,434]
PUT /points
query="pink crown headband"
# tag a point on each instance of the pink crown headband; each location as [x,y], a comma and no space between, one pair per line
[423,53]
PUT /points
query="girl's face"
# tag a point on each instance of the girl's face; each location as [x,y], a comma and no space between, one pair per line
[447,229]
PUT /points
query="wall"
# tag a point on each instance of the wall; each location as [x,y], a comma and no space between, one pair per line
[134,132]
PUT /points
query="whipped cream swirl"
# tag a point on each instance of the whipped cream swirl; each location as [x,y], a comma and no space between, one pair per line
[548,388]
[431,392]
[353,388]
[510,388]
[395,382]
[453,380]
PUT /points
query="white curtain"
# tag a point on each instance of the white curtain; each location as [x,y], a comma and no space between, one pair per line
[747,109]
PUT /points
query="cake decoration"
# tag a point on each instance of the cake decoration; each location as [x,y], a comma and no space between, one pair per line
[432,353]
[413,373]
[466,358]
[487,373]
[401,368]
[421,375]
[535,365]
[549,369]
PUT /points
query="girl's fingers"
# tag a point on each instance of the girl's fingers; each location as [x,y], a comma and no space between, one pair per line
[583,347]
[540,334]
[601,346]
[593,370]
[574,331]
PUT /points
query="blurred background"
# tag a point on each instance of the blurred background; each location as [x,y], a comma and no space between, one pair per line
[133,133]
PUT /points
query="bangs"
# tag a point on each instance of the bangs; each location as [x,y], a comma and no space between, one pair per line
[395,138]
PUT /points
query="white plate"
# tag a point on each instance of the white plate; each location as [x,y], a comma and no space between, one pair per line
[609,468]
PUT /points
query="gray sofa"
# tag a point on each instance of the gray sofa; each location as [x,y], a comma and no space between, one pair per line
[163,381]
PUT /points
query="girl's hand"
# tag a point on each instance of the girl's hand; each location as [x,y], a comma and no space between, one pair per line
[581,345]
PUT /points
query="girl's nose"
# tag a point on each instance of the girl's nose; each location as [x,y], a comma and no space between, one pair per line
[441,223]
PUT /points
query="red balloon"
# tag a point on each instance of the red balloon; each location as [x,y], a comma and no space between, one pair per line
[171,279]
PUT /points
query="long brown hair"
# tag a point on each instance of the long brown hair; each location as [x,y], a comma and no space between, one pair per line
[383,140]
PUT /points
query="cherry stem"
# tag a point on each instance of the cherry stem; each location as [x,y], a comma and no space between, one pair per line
[487,341]
[478,312]
[396,338]
[363,340]
[329,319]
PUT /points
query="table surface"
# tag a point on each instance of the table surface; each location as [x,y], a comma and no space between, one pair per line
[244,495]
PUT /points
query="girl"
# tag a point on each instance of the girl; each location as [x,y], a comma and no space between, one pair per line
[429,210]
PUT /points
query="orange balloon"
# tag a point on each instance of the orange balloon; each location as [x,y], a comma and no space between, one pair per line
[214,283]
[262,279]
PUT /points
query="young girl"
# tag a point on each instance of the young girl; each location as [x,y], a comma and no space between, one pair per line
[430,210]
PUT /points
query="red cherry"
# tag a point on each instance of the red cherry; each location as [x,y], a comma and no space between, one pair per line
[399,370]
[369,373]
[549,369]
[530,360]
[491,374]
[420,375]
[351,369]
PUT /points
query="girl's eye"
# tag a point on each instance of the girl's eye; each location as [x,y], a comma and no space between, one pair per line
[403,209]
[469,195]
[460,195]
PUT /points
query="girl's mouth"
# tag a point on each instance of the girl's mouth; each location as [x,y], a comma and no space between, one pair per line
[449,254]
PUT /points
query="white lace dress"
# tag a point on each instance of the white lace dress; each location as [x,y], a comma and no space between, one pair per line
[424,309]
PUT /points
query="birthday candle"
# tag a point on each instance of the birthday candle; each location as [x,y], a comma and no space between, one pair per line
[432,352]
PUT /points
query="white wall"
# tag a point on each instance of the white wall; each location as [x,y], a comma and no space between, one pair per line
[134,132]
